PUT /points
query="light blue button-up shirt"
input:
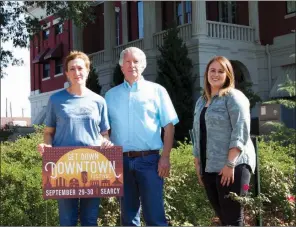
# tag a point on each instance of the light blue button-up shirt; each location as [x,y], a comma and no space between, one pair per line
[137,113]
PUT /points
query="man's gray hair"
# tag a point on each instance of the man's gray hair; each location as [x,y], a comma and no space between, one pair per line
[140,53]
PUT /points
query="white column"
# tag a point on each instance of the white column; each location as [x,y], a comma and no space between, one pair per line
[254,19]
[124,22]
[199,19]
[77,36]
[109,30]
[149,8]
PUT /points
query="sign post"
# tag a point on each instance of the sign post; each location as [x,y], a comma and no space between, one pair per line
[82,172]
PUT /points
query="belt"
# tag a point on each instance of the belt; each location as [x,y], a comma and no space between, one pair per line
[134,154]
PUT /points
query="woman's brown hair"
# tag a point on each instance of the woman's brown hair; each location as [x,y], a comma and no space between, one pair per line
[77,54]
[229,82]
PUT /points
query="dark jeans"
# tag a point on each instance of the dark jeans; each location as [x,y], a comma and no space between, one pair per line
[142,188]
[229,211]
[89,211]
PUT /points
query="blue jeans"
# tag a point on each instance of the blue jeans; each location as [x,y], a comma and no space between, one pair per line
[142,185]
[88,207]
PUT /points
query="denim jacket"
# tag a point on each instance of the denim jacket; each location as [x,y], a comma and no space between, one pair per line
[228,126]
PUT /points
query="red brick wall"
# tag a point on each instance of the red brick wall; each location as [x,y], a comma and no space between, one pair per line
[212,10]
[32,78]
[132,14]
[242,10]
[272,21]
[38,45]
[242,13]
[93,33]
[167,14]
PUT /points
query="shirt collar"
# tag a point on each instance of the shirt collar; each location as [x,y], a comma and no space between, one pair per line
[136,85]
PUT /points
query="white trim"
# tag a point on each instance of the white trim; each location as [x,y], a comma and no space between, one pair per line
[47,78]
[290,15]
[41,96]
[46,27]
[35,92]
[59,74]
[96,2]
[56,21]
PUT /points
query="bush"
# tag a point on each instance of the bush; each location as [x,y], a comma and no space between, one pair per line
[118,76]
[185,201]
[175,73]
[21,195]
[276,203]
[246,88]
[92,81]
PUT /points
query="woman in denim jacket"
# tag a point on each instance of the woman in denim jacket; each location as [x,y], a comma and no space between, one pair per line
[223,150]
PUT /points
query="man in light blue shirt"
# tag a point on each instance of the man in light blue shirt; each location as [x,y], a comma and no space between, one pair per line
[137,111]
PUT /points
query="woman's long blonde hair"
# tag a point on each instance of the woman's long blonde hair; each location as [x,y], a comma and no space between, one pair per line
[229,82]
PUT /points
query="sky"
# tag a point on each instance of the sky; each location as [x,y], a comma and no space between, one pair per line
[16,85]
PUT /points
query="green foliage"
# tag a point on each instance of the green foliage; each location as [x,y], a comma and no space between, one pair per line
[109,212]
[280,134]
[276,186]
[92,81]
[277,175]
[246,88]
[290,87]
[186,203]
[291,104]
[4,134]
[175,74]
[21,195]
[19,25]
[118,76]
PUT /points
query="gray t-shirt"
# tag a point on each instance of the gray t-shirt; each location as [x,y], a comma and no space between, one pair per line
[78,120]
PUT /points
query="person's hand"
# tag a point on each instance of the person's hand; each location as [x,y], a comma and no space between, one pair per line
[40,147]
[200,180]
[164,166]
[106,143]
[227,175]
[197,167]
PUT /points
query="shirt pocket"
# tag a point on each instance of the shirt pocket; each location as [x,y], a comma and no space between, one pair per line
[219,109]
[147,108]
[218,116]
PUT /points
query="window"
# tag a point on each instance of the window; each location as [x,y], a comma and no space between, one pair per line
[58,66]
[291,7]
[183,12]
[227,12]
[58,28]
[46,71]
[117,29]
[140,19]
[179,13]
[188,11]
[45,34]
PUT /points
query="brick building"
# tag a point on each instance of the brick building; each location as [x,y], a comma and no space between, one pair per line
[257,36]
